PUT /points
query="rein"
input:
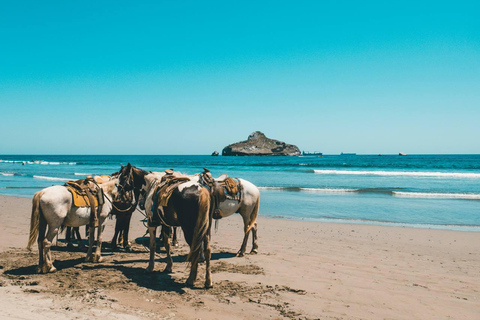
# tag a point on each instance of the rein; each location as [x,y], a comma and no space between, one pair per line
[111,202]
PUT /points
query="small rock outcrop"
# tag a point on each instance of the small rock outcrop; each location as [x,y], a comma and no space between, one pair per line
[215,153]
[259,145]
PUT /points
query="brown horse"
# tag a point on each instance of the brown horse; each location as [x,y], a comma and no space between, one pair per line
[188,207]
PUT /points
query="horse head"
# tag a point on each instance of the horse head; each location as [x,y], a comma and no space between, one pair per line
[131,179]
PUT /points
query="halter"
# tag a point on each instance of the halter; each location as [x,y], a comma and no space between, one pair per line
[112,202]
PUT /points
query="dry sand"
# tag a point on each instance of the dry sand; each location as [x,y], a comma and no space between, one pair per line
[304,270]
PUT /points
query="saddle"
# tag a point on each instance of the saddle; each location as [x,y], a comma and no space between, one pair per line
[221,190]
[86,193]
[162,194]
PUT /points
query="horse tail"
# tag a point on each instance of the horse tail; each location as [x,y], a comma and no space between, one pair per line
[35,219]
[253,216]
[202,226]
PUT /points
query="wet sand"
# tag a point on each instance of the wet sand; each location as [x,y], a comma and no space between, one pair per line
[304,270]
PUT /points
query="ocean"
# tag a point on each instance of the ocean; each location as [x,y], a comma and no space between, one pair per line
[425,191]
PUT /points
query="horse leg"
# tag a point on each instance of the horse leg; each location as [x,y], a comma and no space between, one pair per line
[126,228]
[47,243]
[166,242]
[175,239]
[42,228]
[254,239]
[91,240]
[153,233]
[241,252]
[76,231]
[193,274]
[98,252]
[69,237]
[113,244]
[208,255]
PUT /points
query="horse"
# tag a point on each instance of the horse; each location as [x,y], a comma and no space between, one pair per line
[247,206]
[53,207]
[122,210]
[188,207]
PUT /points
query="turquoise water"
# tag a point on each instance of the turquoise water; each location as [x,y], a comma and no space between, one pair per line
[431,191]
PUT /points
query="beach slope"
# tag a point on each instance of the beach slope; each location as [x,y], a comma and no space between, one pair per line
[304,270]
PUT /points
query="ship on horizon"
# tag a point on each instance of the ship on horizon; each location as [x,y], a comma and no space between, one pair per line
[348,154]
[314,153]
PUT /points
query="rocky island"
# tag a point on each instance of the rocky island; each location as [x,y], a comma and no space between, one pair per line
[259,145]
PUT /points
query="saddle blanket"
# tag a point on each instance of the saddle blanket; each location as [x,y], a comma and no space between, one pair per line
[79,193]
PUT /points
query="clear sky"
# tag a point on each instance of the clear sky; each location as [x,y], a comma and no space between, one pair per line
[190,77]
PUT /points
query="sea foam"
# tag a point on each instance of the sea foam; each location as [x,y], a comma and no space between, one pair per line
[303,189]
[51,178]
[402,173]
[433,195]
[6,174]
[42,162]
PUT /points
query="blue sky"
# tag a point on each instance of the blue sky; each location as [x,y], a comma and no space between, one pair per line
[181,77]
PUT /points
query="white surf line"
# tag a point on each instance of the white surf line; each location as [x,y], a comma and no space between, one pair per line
[401,173]
[319,190]
[469,196]
[51,178]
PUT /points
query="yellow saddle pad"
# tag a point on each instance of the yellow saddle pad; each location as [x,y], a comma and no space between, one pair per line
[81,199]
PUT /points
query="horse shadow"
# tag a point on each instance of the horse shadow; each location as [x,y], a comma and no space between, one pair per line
[32,269]
[157,281]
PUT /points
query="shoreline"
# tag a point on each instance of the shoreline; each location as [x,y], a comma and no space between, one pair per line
[354,222]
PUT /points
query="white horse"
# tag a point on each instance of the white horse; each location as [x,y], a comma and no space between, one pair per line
[53,206]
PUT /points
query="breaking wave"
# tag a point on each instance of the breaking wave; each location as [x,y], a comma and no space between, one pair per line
[7,174]
[42,162]
[51,178]
[402,173]
[467,196]
[385,191]
[302,189]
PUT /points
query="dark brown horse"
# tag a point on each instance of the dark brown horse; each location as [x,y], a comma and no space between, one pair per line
[187,207]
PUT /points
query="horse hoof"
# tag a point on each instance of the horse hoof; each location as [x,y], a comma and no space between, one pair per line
[89,259]
[149,270]
[190,283]
[240,254]
[97,259]
[128,249]
[52,269]
[254,251]
[70,246]
[168,270]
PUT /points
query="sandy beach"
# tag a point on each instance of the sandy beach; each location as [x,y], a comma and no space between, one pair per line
[304,270]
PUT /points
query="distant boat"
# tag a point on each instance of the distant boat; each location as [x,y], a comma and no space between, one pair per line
[315,153]
[348,154]
[402,154]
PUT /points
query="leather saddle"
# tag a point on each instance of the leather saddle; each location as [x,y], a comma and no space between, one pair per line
[222,189]
[169,182]
[86,193]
